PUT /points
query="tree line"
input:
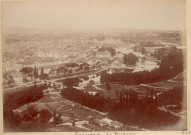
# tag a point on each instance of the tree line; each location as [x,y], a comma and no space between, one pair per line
[34,72]
[96,102]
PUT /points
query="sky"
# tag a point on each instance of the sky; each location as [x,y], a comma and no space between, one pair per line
[95,14]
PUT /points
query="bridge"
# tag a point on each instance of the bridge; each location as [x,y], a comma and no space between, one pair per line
[53,84]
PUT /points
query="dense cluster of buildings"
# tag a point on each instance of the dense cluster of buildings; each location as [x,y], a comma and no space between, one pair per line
[51,51]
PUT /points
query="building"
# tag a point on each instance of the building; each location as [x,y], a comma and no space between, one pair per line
[11,65]
[108,122]
[18,77]
[103,55]
[29,77]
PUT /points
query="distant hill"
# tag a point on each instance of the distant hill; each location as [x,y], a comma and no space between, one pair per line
[112,30]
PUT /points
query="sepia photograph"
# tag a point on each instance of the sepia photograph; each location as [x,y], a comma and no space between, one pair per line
[94,66]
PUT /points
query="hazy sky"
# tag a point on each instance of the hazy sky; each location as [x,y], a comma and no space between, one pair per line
[95,14]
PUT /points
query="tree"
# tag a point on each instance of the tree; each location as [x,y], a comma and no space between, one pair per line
[121,97]
[132,59]
[109,49]
[42,70]
[86,67]
[73,119]
[35,83]
[107,85]
[103,77]
[43,76]
[11,119]
[86,78]
[143,50]
[91,82]
[56,118]
[26,70]
[45,115]
[70,82]
[96,102]
[125,59]
[26,95]
[35,72]
[29,113]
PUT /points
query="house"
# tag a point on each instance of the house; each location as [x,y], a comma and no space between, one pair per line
[100,122]
[29,77]
[18,77]
[116,125]
[108,122]
[110,71]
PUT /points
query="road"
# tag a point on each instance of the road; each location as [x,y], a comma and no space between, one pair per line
[170,80]
[83,74]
